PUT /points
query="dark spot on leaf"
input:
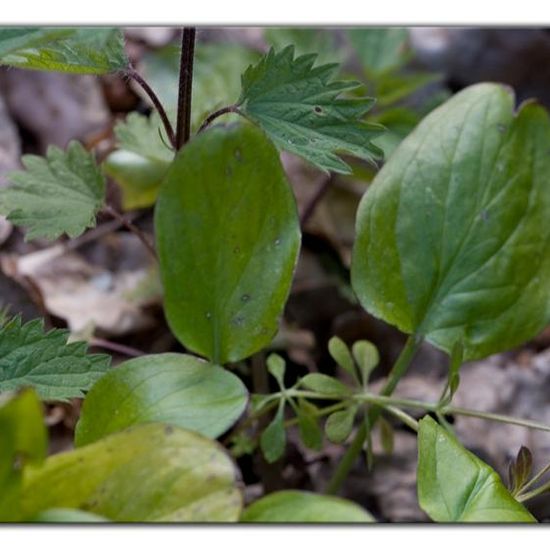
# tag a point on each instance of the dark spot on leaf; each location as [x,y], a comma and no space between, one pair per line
[318,109]
[169,430]
[245,298]
[502,128]
[208,315]
[237,321]
[236,250]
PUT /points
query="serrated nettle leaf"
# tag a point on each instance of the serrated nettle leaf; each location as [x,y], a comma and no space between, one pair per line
[380,49]
[340,352]
[339,424]
[16,38]
[149,473]
[300,108]
[172,388]
[225,287]
[142,160]
[273,438]
[59,193]
[23,441]
[304,507]
[44,361]
[216,76]
[71,50]
[454,485]
[452,236]
[322,383]
[367,357]
[276,366]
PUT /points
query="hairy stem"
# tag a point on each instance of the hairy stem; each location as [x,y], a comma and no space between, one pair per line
[134,75]
[183,129]
[132,228]
[213,116]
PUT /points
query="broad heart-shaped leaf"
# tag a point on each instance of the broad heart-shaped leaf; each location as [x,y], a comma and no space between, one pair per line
[456,486]
[176,389]
[141,162]
[299,107]
[304,507]
[56,194]
[70,50]
[150,473]
[44,361]
[228,237]
[453,239]
[23,440]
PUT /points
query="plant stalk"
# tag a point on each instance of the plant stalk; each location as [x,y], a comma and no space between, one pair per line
[354,450]
[183,129]
[134,75]
[213,116]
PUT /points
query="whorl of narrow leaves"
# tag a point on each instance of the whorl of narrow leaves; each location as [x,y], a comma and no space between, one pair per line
[299,107]
[43,360]
[56,194]
[68,50]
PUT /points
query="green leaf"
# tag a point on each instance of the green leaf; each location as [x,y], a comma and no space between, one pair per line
[387,435]
[322,383]
[276,366]
[380,49]
[216,76]
[228,237]
[452,236]
[67,515]
[392,87]
[56,194]
[299,107]
[16,38]
[339,351]
[43,360]
[23,441]
[142,160]
[367,357]
[308,425]
[520,470]
[175,389]
[273,439]
[78,50]
[148,473]
[340,424]
[456,486]
[304,507]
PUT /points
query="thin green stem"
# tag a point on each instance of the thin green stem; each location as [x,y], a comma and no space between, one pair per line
[407,419]
[522,497]
[354,450]
[535,478]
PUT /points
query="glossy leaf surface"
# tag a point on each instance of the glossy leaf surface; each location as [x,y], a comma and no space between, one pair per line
[72,50]
[175,389]
[304,507]
[452,237]
[148,473]
[228,238]
[456,486]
